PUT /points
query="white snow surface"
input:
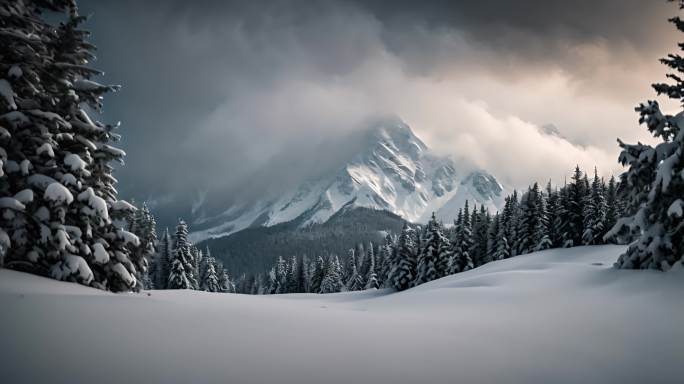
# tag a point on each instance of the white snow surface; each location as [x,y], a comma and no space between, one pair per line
[559,316]
[58,193]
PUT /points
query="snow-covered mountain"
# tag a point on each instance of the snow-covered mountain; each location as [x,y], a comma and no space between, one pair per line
[393,170]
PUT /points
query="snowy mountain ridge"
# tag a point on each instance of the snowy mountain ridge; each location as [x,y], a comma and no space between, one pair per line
[393,171]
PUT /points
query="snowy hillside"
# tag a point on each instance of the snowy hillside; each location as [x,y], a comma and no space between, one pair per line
[394,171]
[559,316]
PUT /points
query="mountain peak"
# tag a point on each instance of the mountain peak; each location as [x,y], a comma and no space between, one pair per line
[393,171]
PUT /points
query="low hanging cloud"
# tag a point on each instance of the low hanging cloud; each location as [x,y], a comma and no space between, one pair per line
[244,98]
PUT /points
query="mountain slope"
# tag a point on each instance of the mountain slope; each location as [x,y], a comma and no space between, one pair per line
[561,316]
[254,250]
[393,170]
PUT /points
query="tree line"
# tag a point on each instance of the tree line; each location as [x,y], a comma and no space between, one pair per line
[579,213]
[174,262]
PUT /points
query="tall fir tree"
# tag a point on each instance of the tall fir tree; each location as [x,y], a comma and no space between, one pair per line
[210,280]
[654,178]
[594,213]
[433,260]
[480,224]
[332,281]
[460,260]
[163,259]
[318,272]
[182,252]
[577,193]
[60,213]
[403,265]
[178,278]
[612,206]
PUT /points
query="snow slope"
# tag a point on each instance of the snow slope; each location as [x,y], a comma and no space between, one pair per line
[560,316]
[393,170]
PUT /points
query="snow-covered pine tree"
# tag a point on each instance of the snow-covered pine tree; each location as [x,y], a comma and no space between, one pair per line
[433,260]
[553,213]
[225,283]
[612,206]
[576,196]
[145,227]
[354,281]
[386,254]
[178,278]
[292,285]
[318,272]
[210,281]
[656,187]
[196,261]
[492,233]
[503,247]
[460,260]
[360,253]
[259,289]
[182,252]
[366,261]
[372,277]
[527,222]
[57,196]
[403,265]
[594,213]
[162,264]
[271,282]
[301,275]
[332,281]
[478,251]
[281,275]
[542,239]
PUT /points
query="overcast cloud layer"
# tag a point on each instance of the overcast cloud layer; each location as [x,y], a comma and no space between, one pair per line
[219,94]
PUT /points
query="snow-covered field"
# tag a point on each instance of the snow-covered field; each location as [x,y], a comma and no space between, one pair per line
[560,316]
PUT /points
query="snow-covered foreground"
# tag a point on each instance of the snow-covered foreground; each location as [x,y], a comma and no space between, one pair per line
[560,316]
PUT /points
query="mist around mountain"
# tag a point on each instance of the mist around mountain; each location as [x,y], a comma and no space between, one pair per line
[391,170]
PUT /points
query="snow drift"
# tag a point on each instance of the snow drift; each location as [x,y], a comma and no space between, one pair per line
[558,316]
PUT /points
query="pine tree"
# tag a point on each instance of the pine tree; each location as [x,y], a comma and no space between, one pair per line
[281,275]
[144,226]
[59,215]
[181,251]
[433,260]
[301,275]
[492,234]
[178,278]
[594,213]
[403,264]
[612,206]
[542,239]
[577,193]
[162,264]
[386,254]
[332,281]
[461,244]
[225,283]
[654,178]
[366,262]
[319,269]
[210,282]
[372,277]
[196,261]
[527,223]
[503,248]
[480,224]
[292,283]
[553,215]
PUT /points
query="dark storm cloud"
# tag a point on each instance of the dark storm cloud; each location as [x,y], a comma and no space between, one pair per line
[218,93]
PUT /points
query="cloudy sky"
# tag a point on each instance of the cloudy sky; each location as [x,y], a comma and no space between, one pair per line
[220,94]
